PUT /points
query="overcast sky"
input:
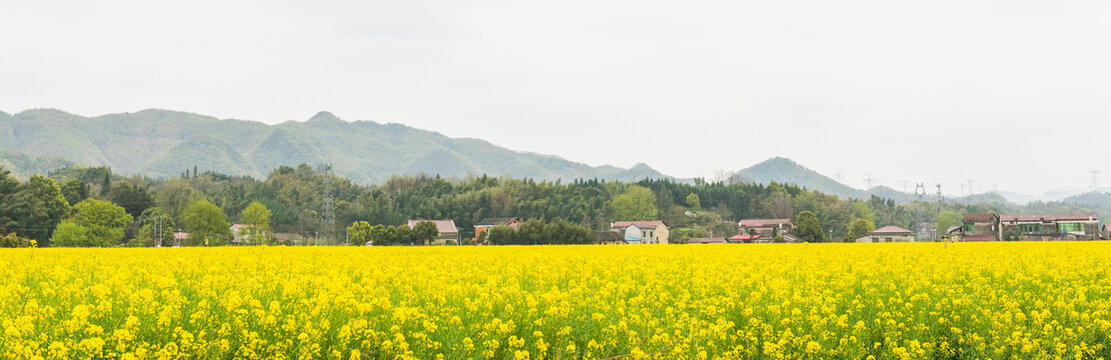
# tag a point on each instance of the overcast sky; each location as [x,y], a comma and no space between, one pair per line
[1015,93]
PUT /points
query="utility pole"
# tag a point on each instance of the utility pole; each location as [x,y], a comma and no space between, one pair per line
[328,206]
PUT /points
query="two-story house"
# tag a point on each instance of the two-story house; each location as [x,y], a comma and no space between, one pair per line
[642,232]
[1036,227]
[979,227]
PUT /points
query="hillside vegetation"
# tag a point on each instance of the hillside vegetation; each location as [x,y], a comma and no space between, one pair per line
[161,143]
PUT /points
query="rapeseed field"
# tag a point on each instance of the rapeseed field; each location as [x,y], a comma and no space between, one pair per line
[776,301]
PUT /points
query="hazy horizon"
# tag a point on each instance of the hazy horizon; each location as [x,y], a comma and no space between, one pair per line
[1008,94]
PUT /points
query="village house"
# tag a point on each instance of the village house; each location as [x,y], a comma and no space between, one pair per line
[1041,227]
[766,227]
[979,227]
[642,232]
[239,234]
[887,234]
[289,239]
[953,234]
[449,234]
[1106,235]
[488,223]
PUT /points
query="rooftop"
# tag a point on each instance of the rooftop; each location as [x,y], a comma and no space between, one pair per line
[445,226]
[706,241]
[978,217]
[1048,217]
[890,229]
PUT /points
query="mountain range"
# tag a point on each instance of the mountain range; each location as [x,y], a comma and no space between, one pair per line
[161,143]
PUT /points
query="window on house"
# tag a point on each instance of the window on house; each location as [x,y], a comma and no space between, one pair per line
[1067,227]
[888,240]
[969,227]
[1030,228]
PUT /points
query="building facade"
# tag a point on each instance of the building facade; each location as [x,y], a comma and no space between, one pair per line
[1048,227]
[888,234]
[642,232]
[980,227]
[488,223]
[449,234]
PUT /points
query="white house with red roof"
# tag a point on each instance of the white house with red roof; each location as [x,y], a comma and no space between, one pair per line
[888,233]
[449,234]
[642,232]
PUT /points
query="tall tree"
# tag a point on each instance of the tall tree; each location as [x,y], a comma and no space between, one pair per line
[694,202]
[859,228]
[206,224]
[257,218]
[38,206]
[360,233]
[637,203]
[425,232]
[75,191]
[95,222]
[132,198]
[808,228]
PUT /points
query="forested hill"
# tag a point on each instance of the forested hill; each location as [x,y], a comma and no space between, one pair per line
[160,143]
[786,171]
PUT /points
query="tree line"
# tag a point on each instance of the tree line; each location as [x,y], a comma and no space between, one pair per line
[91,206]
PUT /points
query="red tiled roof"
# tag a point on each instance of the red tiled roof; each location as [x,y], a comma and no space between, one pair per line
[764,222]
[978,217]
[706,241]
[745,237]
[891,229]
[988,237]
[445,226]
[639,224]
[1047,217]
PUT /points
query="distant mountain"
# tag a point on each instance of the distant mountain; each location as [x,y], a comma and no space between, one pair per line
[161,143]
[786,171]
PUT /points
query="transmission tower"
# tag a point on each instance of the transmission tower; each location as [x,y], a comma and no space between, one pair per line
[920,191]
[328,206]
[905,182]
[868,182]
[939,198]
[970,182]
[837,175]
[1095,180]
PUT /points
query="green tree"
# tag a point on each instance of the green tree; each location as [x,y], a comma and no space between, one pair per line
[360,233]
[425,231]
[947,219]
[257,218]
[808,228]
[530,232]
[637,203]
[501,235]
[132,198]
[694,202]
[859,228]
[204,220]
[75,191]
[37,208]
[95,223]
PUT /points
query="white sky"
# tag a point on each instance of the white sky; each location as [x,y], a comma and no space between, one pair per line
[1014,92]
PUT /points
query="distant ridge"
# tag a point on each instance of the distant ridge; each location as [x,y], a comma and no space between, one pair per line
[787,171]
[161,143]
